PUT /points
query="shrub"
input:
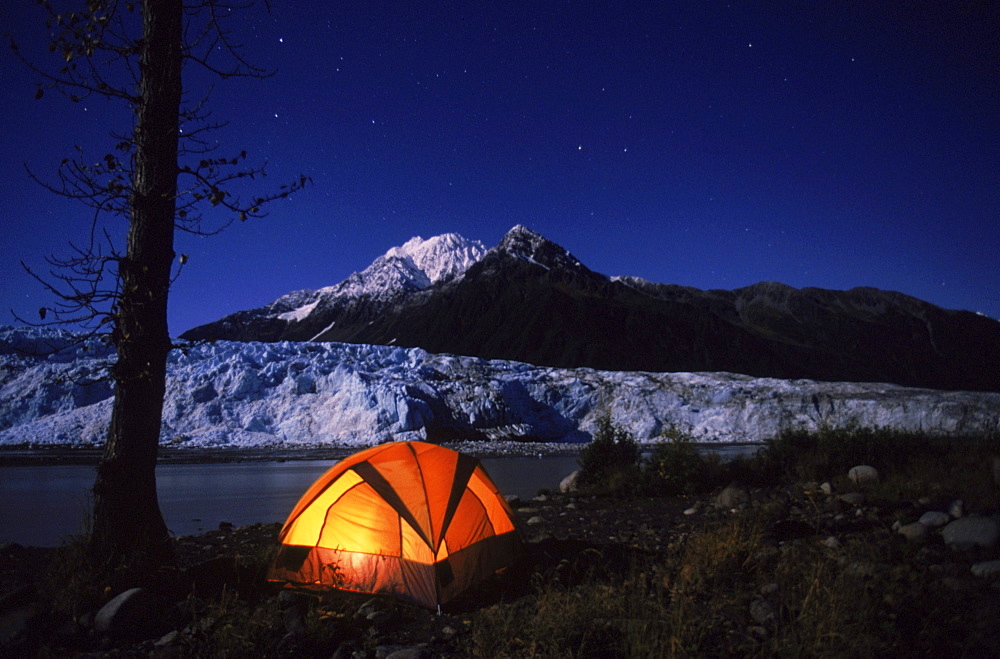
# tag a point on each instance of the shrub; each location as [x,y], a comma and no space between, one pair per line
[676,467]
[612,450]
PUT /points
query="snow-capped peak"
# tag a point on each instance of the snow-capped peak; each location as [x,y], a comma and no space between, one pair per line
[439,257]
[412,266]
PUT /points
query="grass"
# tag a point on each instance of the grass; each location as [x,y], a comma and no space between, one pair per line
[725,590]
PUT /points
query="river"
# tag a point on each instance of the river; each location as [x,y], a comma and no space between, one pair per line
[41,505]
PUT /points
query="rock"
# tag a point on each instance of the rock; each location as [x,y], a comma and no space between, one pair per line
[733,496]
[826,488]
[511,499]
[408,653]
[134,615]
[791,529]
[570,483]
[295,623]
[16,622]
[831,542]
[863,475]
[956,509]
[968,532]
[852,498]
[934,518]
[167,639]
[986,569]
[370,606]
[914,531]
[537,519]
[761,611]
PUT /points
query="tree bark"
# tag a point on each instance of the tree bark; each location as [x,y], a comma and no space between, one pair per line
[127,522]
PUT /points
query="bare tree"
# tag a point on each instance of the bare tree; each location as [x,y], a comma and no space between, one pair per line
[159,176]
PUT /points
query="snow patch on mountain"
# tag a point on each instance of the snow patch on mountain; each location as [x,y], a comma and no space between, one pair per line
[413,266]
[441,257]
[230,394]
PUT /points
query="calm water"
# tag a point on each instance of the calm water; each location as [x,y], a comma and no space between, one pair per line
[41,505]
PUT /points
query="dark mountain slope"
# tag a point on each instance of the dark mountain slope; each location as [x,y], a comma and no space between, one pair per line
[528,299]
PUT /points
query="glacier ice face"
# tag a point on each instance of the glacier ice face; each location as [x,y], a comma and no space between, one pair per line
[311,394]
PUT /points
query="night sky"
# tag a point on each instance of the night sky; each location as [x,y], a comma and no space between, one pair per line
[705,144]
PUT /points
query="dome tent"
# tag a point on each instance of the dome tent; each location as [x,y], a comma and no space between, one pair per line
[410,519]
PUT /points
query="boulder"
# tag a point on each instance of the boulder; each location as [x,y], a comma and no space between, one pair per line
[733,496]
[863,475]
[973,531]
[134,615]
[570,483]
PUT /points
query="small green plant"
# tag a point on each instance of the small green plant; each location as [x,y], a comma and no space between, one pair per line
[613,450]
[676,467]
[72,584]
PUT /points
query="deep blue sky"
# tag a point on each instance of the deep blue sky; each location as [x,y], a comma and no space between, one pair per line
[707,144]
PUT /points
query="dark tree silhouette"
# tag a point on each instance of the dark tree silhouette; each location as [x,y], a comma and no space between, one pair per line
[157,178]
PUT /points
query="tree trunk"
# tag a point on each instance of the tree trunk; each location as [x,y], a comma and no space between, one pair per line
[127,523]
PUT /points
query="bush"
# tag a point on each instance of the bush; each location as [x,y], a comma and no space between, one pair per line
[804,455]
[676,467]
[612,450]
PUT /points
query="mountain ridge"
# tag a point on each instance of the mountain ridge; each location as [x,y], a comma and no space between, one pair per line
[529,299]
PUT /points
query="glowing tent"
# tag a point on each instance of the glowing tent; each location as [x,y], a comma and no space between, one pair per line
[410,519]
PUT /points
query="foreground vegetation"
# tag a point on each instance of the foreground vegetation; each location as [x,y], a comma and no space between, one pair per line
[737,586]
[795,567]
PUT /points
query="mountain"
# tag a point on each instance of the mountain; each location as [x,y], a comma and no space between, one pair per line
[528,299]
[305,315]
[306,394]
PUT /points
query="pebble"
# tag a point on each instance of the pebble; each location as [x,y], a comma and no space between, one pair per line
[935,518]
[914,531]
[852,498]
[761,611]
[986,569]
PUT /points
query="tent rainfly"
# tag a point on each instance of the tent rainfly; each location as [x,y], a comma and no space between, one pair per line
[410,519]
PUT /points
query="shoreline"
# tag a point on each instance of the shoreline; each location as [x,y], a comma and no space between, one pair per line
[91,455]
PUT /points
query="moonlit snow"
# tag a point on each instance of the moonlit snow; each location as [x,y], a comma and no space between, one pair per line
[294,395]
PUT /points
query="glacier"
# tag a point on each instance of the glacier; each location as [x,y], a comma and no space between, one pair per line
[298,395]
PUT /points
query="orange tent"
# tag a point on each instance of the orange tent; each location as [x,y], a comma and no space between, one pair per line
[410,519]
